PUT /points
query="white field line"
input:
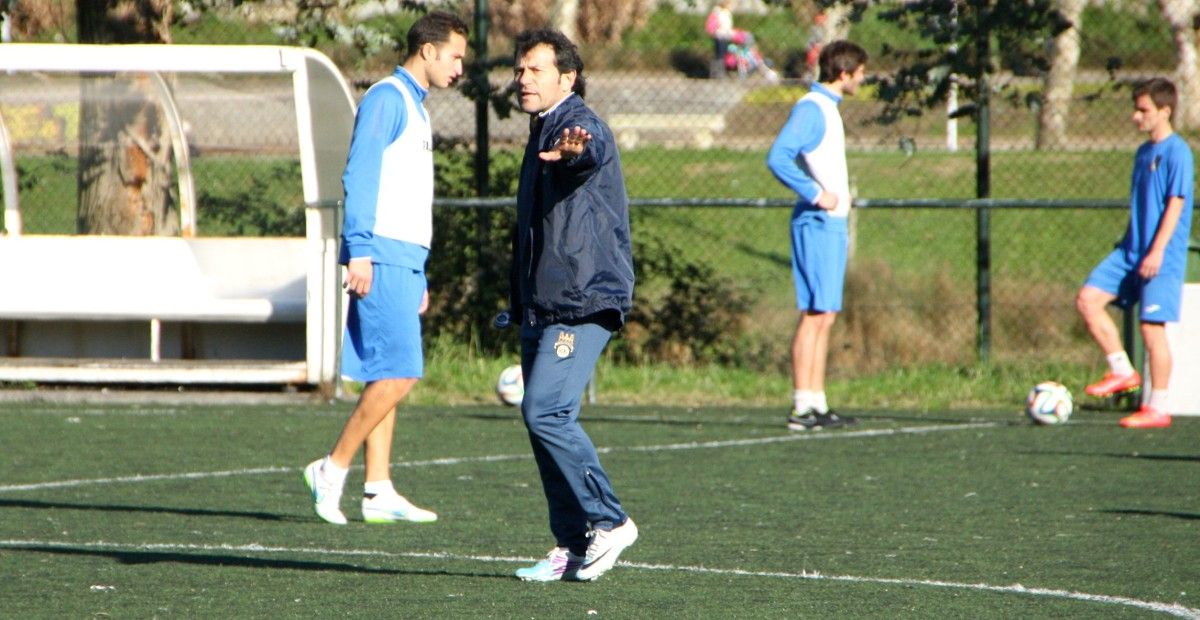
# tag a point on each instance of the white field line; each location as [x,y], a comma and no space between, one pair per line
[1173,609]
[701,445]
[100,411]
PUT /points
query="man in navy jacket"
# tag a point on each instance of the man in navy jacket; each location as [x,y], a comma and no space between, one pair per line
[572,285]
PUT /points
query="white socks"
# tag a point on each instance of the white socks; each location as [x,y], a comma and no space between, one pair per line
[1119,364]
[379,487]
[336,475]
[333,473]
[819,402]
[1158,400]
[803,400]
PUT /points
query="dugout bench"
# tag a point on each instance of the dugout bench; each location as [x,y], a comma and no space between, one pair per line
[187,309]
[148,309]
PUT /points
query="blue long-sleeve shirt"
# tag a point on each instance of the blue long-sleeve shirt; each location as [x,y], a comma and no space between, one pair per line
[380,122]
[803,131]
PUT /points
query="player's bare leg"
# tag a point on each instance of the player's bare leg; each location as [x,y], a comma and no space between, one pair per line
[810,350]
[1092,304]
[371,425]
[804,346]
[1154,413]
[820,351]
[381,503]
[378,399]
[377,449]
[1154,335]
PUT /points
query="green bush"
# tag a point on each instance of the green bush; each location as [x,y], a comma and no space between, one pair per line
[684,311]
[1135,39]
[253,205]
[468,265]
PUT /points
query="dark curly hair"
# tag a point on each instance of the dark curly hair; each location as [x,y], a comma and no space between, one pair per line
[566,54]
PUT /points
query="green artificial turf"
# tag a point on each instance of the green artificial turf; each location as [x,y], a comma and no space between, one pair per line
[199,510]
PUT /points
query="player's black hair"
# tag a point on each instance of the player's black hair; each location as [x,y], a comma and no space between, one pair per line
[840,56]
[566,54]
[1161,91]
[434,27]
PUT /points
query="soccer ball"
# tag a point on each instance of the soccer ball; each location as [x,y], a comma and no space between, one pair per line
[1049,402]
[510,387]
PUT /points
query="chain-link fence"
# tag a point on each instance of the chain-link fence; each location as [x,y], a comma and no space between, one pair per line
[695,114]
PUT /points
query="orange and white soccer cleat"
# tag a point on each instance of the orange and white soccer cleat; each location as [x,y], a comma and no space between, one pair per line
[1147,417]
[1114,384]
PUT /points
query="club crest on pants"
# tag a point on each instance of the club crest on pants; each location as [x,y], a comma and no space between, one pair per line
[565,344]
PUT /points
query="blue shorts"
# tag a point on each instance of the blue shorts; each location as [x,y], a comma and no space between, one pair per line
[819,250]
[383,329]
[1160,297]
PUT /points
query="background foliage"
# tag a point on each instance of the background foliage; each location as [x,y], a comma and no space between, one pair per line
[714,285]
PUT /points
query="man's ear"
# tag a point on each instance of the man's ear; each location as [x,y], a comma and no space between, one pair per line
[568,79]
[428,51]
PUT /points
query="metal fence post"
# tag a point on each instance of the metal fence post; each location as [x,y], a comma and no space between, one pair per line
[479,75]
[983,190]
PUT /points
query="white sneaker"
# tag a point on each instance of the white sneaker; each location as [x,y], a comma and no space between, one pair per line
[393,507]
[559,564]
[604,549]
[326,495]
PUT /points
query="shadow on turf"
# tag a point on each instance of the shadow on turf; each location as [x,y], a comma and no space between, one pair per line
[157,557]
[1190,516]
[509,417]
[200,512]
[1117,455]
[768,420]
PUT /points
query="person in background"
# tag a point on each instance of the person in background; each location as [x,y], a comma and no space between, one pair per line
[1148,265]
[809,157]
[733,48]
[386,235]
[816,40]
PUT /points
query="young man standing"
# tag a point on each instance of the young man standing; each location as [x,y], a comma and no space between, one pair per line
[385,241]
[809,157]
[572,285]
[1149,264]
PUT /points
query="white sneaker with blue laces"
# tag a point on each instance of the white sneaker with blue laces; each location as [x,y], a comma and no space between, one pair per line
[560,561]
[393,507]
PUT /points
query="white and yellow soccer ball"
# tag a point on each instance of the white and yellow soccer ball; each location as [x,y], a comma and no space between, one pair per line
[510,387]
[1049,402]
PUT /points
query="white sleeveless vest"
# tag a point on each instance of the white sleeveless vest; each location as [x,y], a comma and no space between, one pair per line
[404,210]
[827,162]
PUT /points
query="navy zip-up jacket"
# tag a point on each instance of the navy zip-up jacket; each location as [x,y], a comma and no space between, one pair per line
[572,256]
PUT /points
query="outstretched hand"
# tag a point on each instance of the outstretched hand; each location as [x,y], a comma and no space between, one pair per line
[570,144]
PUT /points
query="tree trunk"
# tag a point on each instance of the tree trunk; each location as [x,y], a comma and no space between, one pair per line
[564,15]
[125,157]
[837,24]
[1060,81]
[605,21]
[1182,15]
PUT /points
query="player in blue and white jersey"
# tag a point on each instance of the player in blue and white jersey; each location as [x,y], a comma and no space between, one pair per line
[809,156]
[386,237]
[1149,264]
